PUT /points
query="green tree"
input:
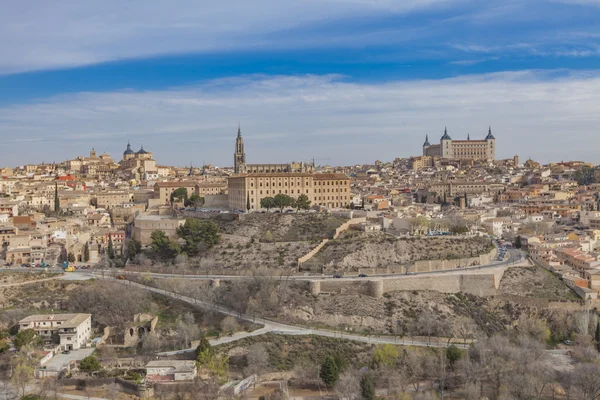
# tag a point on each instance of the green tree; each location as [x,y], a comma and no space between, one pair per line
[598,336]
[25,338]
[56,199]
[302,202]
[367,387]
[179,195]
[329,373]
[164,248]
[466,200]
[282,201]
[518,243]
[385,355]
[90,364]
[197,232]
[267,202]
[203,346]
[86,252]
[71,257]
[134,247]
[22,375]
[453,354]
[111,249]
[194,201]
[248,203]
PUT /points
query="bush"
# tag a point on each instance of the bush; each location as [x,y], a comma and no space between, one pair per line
[90,364]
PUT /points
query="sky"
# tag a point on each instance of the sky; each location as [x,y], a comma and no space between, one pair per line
[341,81]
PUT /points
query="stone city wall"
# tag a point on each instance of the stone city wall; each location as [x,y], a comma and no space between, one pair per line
[438,265]
[480,284]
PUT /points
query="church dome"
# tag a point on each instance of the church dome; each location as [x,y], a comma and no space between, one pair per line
[128,151]
[142,151]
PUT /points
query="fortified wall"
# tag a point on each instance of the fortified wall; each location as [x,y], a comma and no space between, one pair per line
[477,283]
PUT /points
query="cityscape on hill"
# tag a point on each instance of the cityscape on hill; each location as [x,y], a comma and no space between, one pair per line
[409,207]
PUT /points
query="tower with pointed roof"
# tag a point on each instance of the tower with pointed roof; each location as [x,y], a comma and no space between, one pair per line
[446,145]
[239,156]
[426,145]
[491,145]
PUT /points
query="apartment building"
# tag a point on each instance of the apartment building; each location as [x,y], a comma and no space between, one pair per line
[70,331]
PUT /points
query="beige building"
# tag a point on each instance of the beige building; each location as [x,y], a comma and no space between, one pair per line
[211,188]
[329,190]
[112,198]
[163,190]
[421,162]
[462,149]
[144,225]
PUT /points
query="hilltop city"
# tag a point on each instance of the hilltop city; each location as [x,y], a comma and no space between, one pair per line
[394,279]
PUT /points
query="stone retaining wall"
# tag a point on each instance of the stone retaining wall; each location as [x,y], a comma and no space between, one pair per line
[480,284]
[341,229]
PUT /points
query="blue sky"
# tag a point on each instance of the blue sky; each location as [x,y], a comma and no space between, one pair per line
[346,80]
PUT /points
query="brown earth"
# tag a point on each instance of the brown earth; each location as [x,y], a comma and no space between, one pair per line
[282,227]
[356,249]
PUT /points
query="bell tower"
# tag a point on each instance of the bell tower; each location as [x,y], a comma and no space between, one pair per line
[239,157]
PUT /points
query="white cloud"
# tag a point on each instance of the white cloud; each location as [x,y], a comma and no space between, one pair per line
[299,117]
[42,34]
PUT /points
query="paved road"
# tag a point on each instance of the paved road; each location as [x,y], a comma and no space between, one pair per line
[277,327]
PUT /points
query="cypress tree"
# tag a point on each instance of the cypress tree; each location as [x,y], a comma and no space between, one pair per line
[111,250]
[598,336]
[329,373]
[56,200]
[248,203]
[367,387]
[86,252]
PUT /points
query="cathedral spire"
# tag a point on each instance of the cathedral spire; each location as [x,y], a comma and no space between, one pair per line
[239,130]
[468,136]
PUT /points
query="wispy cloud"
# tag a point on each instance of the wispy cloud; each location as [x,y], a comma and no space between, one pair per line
[40,34]
[298,117]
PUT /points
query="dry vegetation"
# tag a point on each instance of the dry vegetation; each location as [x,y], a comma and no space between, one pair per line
[11,278]
[301,227]
[355,249]
[235,253]
[535,282]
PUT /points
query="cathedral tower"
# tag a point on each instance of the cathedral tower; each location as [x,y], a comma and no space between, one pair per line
[239,157]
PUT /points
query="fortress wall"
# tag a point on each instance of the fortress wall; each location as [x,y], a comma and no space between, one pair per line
[480,284]
[438,265]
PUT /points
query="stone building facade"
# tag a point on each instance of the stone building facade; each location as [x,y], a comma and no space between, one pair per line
[462,149]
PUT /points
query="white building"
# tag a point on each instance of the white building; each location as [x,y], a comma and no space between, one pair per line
[71,331]
[171,370]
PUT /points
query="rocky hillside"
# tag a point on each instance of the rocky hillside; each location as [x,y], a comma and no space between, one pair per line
[239,253]
[288,227]
[375,250]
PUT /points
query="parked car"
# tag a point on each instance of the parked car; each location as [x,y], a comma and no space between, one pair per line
[66,352]
[362,275]
[337,276]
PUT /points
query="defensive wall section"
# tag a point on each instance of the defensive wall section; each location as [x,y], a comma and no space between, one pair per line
[477,283]
[438,265]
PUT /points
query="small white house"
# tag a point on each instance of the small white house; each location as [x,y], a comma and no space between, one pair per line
[171,370]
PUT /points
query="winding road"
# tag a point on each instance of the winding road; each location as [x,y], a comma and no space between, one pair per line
[279,328]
